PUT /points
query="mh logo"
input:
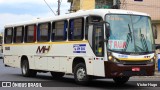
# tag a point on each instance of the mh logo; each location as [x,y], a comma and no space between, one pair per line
[43,49]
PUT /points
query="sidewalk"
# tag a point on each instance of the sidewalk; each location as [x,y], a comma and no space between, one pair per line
[157,73]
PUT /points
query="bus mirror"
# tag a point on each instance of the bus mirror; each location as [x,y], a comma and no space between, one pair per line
[154,31]
[107,25]
[157,46]
[107,30]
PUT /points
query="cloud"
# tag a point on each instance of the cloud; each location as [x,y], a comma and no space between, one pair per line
[30,6]
[25,1]
[12,11]
[12,18]
[9,18]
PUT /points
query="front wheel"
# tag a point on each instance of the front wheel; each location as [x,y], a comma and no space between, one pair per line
[26,72]
[80,74]
[121,80]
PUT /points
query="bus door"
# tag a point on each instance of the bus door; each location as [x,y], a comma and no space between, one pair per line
[96,40]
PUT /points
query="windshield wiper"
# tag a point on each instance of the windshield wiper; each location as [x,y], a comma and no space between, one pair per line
[130,33]
[143,41]
[129,37]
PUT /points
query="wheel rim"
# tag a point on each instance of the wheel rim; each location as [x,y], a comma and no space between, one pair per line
[24,69]
[81,74]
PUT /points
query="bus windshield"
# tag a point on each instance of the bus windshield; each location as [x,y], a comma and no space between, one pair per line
[130,33]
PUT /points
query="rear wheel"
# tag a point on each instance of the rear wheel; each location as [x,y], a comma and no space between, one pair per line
[121,80]
[26,72]
[80,74]
[57,74]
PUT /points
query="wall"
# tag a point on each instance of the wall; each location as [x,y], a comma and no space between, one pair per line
[76,5]
[157,41]
[87,4]
[151,7]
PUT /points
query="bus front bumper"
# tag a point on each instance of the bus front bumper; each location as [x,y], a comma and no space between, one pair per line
[118,70]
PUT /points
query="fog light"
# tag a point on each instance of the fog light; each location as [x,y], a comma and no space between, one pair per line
[154,57]
[152,60]
[115,60]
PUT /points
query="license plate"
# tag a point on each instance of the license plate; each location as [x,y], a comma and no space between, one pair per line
[135,69]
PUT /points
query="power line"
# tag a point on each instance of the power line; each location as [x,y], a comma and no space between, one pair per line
[49,7]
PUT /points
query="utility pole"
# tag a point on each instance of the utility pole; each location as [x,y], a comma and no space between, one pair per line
[59,4]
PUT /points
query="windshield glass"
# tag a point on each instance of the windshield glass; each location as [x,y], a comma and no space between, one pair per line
[130,33]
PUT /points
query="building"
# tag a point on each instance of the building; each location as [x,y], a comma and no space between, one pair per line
[90,4]
[151,7]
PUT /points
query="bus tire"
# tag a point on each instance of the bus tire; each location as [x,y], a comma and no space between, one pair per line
[80,74]
[120,80]
[57,74]
[26,72]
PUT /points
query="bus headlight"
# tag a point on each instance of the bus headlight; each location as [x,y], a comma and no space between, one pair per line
[111,58]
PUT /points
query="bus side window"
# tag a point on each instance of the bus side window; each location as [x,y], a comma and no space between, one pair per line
[76,29]
[53,31]
[30,33]
[8,35]
[44,32]
[91,20]
[59,32]
[18,34]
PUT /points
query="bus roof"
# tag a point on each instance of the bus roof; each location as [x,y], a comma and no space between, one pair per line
[99,12]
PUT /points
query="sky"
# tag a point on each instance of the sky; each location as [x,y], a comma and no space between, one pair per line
[13,11]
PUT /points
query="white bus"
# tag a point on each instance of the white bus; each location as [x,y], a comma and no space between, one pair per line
[99,43]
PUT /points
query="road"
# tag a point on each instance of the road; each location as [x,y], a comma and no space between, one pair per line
[67,82]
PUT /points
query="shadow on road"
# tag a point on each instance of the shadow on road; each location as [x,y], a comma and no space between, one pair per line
[69,82]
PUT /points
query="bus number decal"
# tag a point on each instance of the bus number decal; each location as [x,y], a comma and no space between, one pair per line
[43,49]
[79,48]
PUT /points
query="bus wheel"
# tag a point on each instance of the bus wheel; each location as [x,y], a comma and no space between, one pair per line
[120,80]
[26,72]
[80,74]
[57,74]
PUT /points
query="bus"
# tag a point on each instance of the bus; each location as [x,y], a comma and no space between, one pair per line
[90,44]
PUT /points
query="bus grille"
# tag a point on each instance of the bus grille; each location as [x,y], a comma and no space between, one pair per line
[134,62]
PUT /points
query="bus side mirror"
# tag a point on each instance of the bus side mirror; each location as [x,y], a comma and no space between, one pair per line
[107,30]
[157,46]
[154,31]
